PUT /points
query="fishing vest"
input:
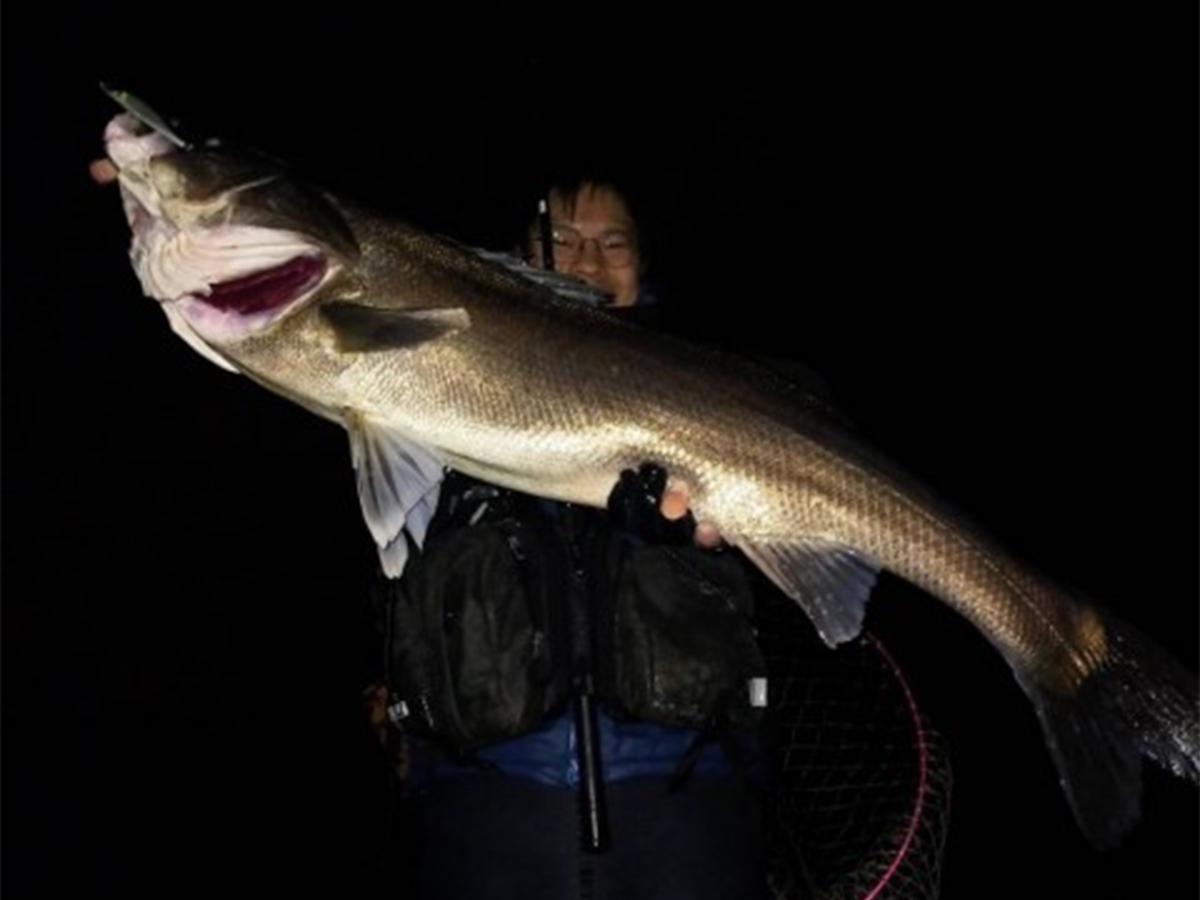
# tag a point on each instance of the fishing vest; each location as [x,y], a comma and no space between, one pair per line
[482,645]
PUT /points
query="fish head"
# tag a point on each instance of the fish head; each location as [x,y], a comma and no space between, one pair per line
[227,241]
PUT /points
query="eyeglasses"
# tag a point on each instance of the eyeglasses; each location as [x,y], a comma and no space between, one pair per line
[617,247]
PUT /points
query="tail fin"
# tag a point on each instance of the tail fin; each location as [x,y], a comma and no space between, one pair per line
[1138,702]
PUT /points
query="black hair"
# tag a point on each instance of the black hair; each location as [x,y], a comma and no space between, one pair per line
[599,168]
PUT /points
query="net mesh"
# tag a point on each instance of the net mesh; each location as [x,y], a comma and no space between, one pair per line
[860,802]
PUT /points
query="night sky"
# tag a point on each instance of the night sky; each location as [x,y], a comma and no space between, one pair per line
[986,246]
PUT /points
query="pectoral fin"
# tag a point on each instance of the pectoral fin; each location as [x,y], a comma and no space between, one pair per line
[366,329]
[398,483]
[831,582]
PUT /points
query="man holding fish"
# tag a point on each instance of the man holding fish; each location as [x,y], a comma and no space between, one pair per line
[670,810]
[438,358]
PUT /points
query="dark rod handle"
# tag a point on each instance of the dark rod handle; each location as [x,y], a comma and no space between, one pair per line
[546,233]
[591,785]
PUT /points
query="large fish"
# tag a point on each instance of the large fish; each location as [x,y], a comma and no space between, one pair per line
[432,355]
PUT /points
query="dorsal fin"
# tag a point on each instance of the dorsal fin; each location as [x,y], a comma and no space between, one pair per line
[564,285]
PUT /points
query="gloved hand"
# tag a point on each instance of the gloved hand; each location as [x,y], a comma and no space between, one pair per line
[645,503]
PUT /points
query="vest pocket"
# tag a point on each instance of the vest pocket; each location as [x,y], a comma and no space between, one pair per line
[682,649]
[474,641]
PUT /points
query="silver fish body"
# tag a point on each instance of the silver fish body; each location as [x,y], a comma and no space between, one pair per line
[432,355]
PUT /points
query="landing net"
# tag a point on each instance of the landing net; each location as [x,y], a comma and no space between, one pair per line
[860,802]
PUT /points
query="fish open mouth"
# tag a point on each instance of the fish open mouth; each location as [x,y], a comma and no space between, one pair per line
[268,289]
[219,280]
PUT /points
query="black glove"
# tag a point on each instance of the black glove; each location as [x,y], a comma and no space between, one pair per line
[634,507]
[465,501]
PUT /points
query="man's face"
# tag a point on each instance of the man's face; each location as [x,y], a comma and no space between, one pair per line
[595,240]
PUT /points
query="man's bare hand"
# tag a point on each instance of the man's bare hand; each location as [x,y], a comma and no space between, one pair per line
[102,171]
[675,502]
[647,502]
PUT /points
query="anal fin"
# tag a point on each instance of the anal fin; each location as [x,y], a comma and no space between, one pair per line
[830,581]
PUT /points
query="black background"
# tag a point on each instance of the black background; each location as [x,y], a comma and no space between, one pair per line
[981,231]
